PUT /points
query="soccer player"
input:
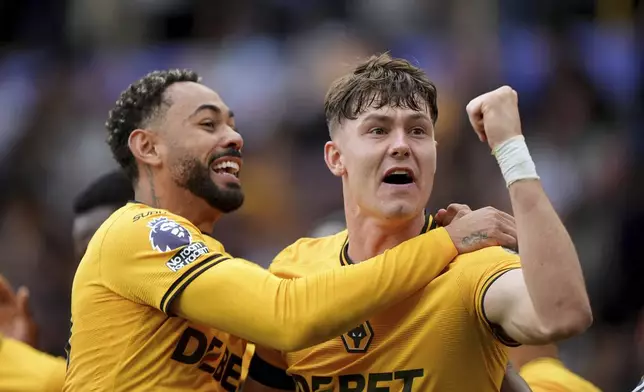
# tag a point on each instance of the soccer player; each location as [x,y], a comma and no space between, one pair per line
[22,367]
[158,304]
[512,381]
[541,368]
[450,336]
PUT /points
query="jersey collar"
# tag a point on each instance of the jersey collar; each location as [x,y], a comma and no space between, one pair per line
[430,224]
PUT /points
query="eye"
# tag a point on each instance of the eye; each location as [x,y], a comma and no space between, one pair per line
[418,131]
[208,124]
[377,131]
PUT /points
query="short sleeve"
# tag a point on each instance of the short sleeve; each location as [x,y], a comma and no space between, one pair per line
[480,270]
[151,257]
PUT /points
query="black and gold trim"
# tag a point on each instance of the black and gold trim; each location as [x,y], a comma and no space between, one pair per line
[430,224]
[191,274]
[269,375]
[496,330]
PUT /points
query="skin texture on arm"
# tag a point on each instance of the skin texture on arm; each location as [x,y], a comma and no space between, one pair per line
[546,300]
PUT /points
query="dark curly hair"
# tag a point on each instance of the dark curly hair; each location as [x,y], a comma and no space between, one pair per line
[380,81]
[142,101]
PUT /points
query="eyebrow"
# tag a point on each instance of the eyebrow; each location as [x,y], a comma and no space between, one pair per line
[214,108]
[385,118]
[376,116]
[420,116]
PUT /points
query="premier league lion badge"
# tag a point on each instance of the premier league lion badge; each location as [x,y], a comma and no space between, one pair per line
[167,235]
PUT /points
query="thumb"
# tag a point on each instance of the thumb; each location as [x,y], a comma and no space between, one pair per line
[22,299]
[440,217]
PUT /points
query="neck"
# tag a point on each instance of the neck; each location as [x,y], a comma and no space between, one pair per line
[159,192]
[370,236]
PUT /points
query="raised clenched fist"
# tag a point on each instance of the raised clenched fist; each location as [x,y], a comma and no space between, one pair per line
[495,116]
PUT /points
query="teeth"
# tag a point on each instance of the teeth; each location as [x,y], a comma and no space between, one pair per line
[233,166]
[400,172]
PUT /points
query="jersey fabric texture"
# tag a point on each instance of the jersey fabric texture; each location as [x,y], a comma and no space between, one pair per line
[550,375]
[437,340]
[25,369]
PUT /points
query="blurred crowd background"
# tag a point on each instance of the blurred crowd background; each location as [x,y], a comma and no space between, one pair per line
[577,65]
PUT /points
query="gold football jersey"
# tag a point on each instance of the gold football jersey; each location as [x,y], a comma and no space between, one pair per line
[550,375]
[122,337]
[436,340]
[25,369]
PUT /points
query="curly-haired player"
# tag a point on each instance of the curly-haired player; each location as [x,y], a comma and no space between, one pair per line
[158,304]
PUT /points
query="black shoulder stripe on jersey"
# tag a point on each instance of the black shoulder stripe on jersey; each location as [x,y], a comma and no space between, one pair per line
[497,330]
[269,375]
[180,284]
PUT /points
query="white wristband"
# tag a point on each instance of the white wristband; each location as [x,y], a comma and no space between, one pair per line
[515,161]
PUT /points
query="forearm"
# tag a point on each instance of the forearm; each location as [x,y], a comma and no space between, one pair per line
[551,269]
[291,314]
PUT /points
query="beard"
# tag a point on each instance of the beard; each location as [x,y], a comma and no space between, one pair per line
[195,177]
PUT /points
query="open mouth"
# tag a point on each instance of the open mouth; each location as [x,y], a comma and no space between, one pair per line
[227,167]
[398,177]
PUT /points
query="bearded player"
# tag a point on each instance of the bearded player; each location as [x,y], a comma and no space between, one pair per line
[157,304]
[450,336]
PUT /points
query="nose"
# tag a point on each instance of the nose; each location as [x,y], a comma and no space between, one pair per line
[399,147]
[233,139]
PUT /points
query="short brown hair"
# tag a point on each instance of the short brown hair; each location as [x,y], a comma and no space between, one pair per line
[378,82]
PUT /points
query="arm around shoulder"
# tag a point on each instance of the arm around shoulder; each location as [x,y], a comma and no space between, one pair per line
[241,298]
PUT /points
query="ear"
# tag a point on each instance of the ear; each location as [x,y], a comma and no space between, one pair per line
[143,144]
[333,159]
